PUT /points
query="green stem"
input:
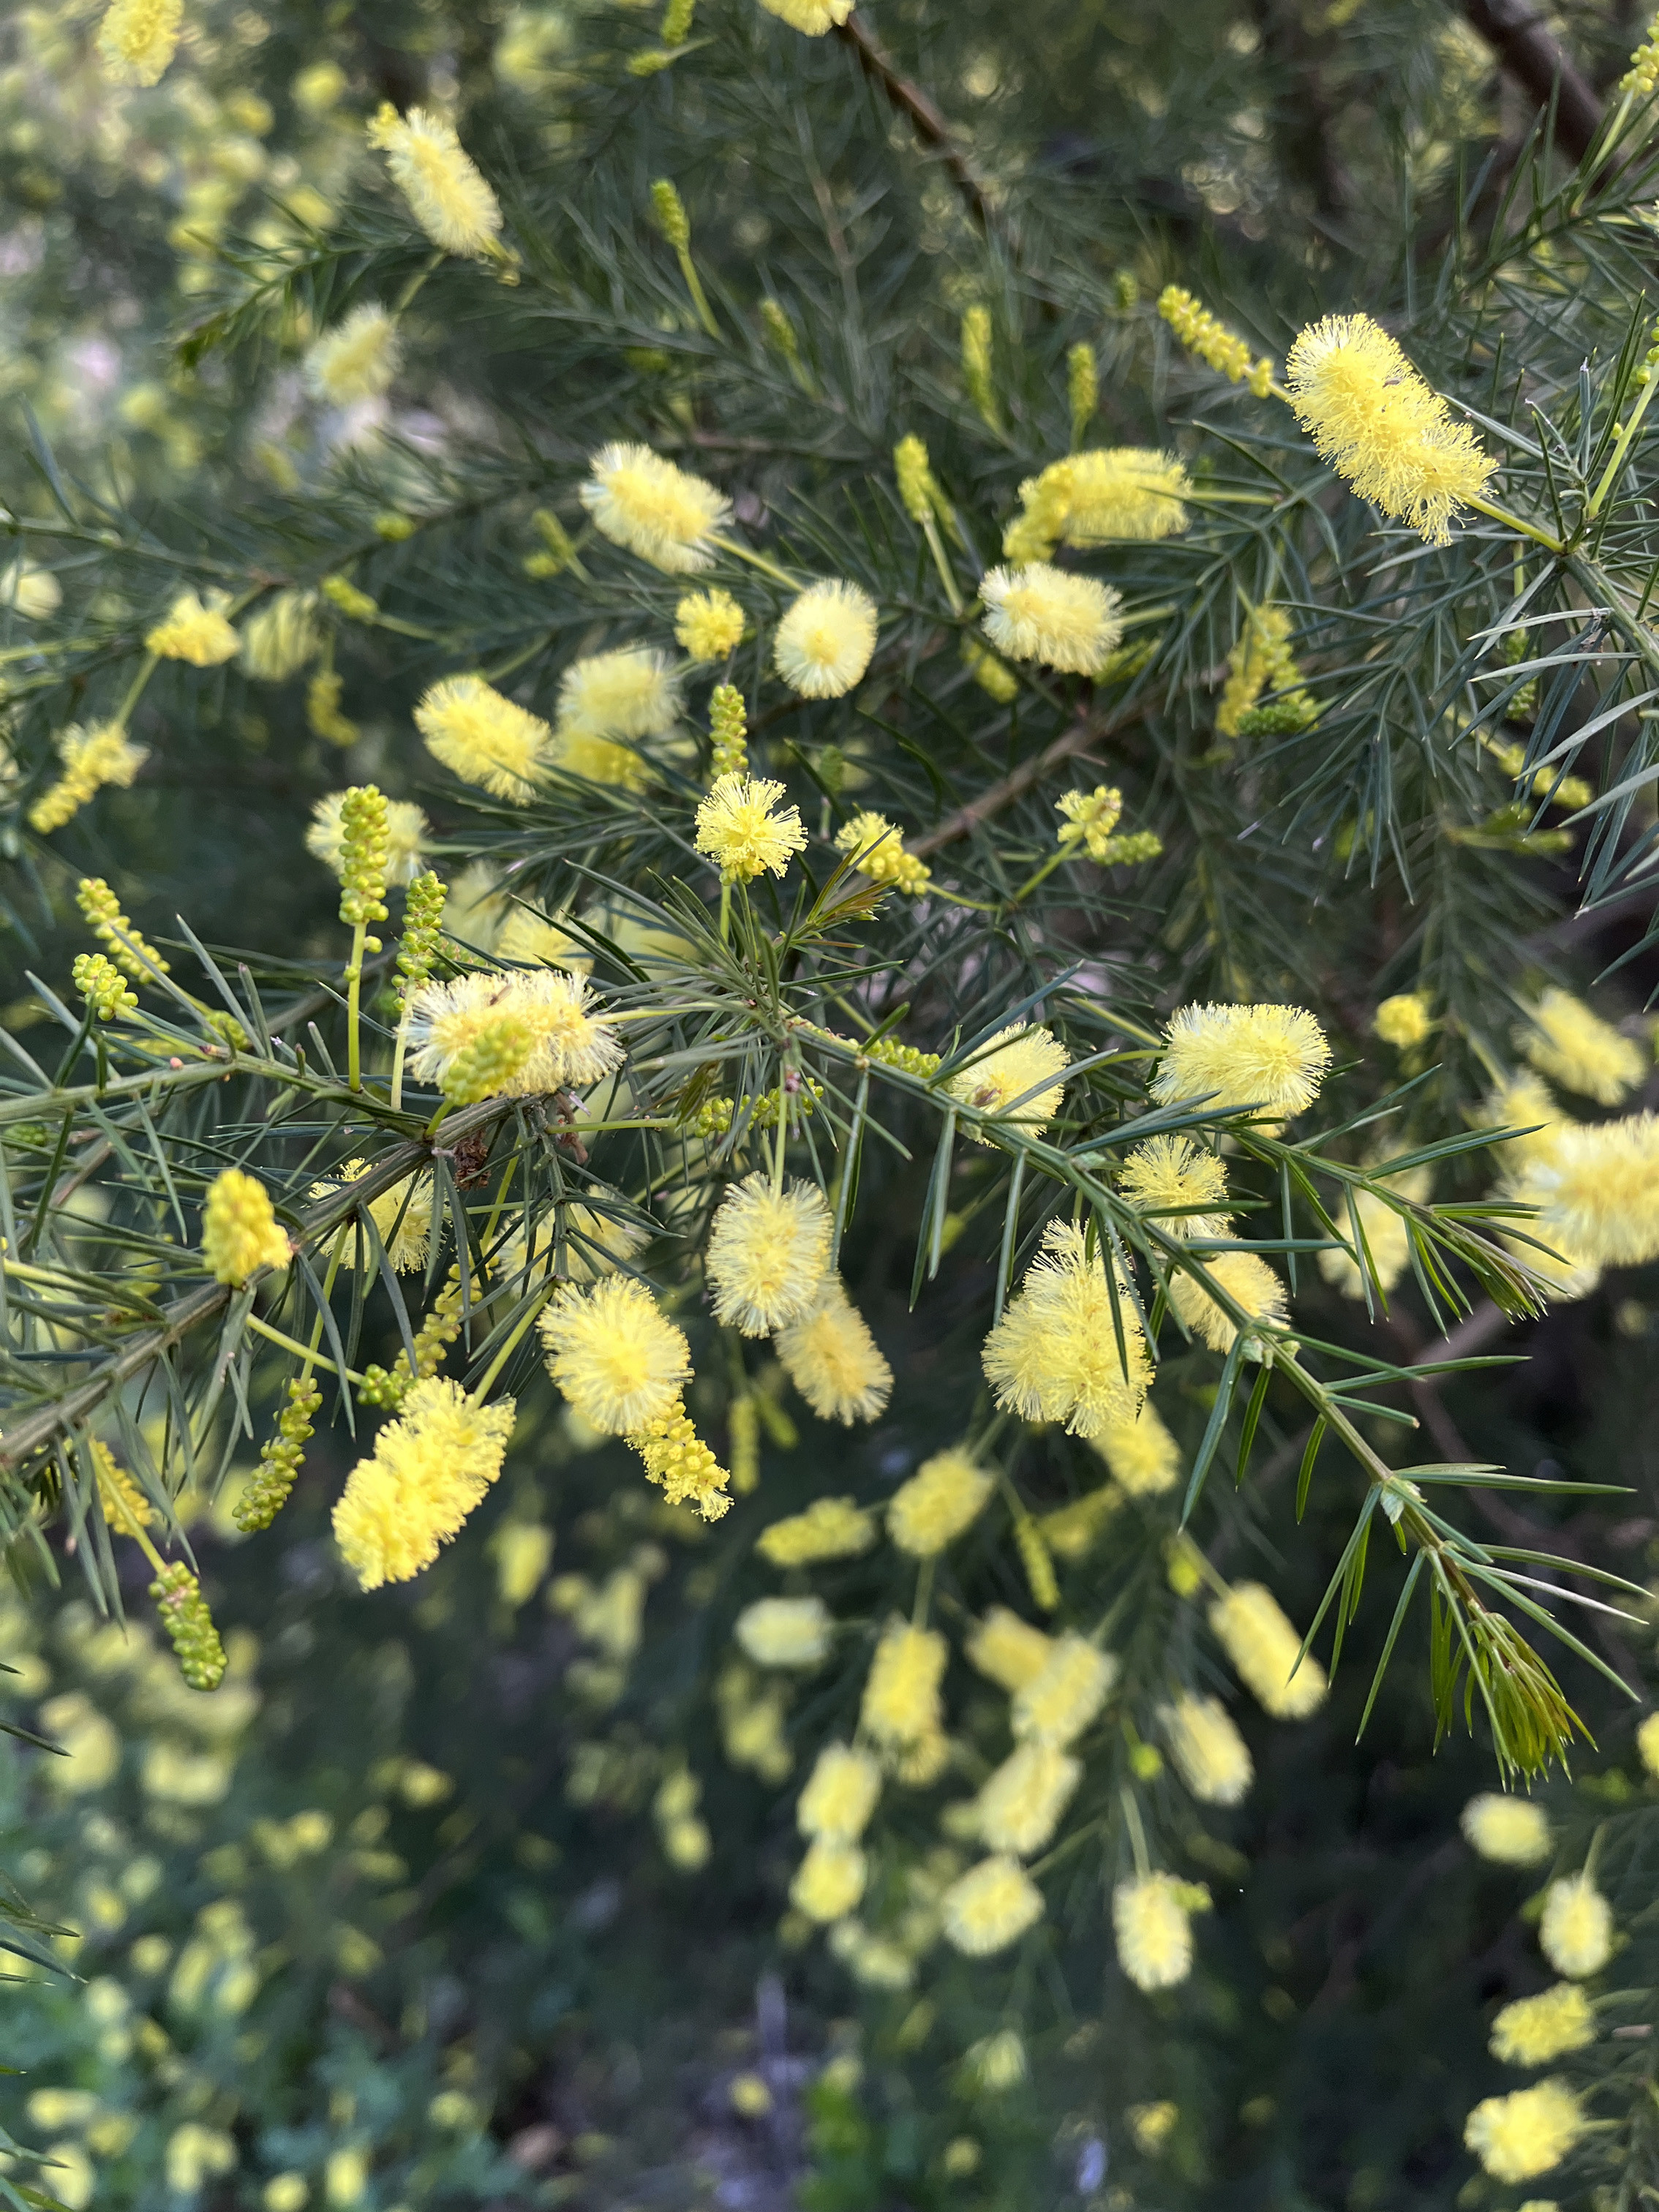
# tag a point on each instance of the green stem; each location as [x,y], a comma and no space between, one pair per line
[147,668]
[1045,870]
[406,298]
[354,988]
[924,1593]
[757,561]
[481,1389]
[936,547]
[310,1354]
[699,298]
[399,1050]
[1621,446]
[1137,1833]
[1493,513]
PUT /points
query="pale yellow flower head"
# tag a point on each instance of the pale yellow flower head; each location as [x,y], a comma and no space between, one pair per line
[649,507]
[1055,1354]
[1597,1193]
[1527,2133]
[1252,1630]
[430,1467]
[92,759]
[1404,1020]
[282,636]
[829,1528]
[1012,1077]
[1575,1048]
[840,1795]
[1508,1831]
[825,639]
[708,625]
[1123,492]
[614,1353]
[195,630]
[1209,1755]
[946,1495]
[996,2062]
[785,1631]
[446,195]
[137,39]
[814,18]
[1090,817]
[570,1041]
[877,850]
[357,359]
[1534,2030]
[1006,1649]
[1037,613]
[1178,1181]
[901,1705]
[1576,1933]
[240,1232]
[990,1906]
[1381,429]
[1144,1457]
[1151,1922]
[833,1360]
[1019,1808]
[1387,1237]
[744,830]
[402,1218]
[768,1252]
[1268,1056]
[30,591]
[829,1881]
[1065,1694]
[483,737]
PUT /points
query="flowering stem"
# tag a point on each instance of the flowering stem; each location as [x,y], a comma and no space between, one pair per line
[134,1528]
[782,1137]
[398,1051]
[699,298]
[757,561]
[407,297]
[1137,1833]
[1621,446]
[147,668]
[924,1594]
[482,1386]
[936,546]
[354,986]
[1493,513]
[725,909]
[310,1355]
[1031,882]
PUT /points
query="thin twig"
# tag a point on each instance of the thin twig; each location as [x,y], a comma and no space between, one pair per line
[924,118]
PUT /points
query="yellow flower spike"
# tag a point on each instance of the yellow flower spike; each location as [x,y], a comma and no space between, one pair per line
[1252,1630]
[1527,2133]
[1534,2030]
[651,508]
[1211,1757]
[1596,1188]
[1508,1831]
[1204,334]
[677,1459]
[195,631]
[1576,1931]
[482,737]
[829,1528]
[1019,1808]
[946,1495]
[1065,1694]
[1007,1650]
[768,1252]
[1036,612]
[357,359]
[1269,1056]
[1144,1457]
[92,759]
[813,17]
[1116,494]
[839,1795]
[446,193]
[429,1469]
[877,850]
[1153,1923]
[240,1232]
[785,1631]
[990,1906]
[615,1355]
[1564,1039]
[1386,433]
[901,1705]
[744,830]
[833,1360]
[406,832]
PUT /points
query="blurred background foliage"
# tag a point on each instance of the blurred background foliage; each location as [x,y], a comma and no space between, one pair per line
[395,1919]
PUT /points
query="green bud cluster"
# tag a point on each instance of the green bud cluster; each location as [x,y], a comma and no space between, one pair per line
[190,1626]
[977,362]
[1280,718]
[102,911]
[387,1387]
[728,726]
[281,1461]
[220,1021]
[917,488]
[677,22]
[1082,389]
[778,327]
[100,983]
[365,847]
[423,913]
[480,1068]
[888,1052]
[670,211]
[349,600]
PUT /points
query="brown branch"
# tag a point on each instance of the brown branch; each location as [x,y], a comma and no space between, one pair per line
[1524,45]
[924,118]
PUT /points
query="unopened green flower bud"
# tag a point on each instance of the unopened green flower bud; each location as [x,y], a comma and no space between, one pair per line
[190,1626]
[670,211]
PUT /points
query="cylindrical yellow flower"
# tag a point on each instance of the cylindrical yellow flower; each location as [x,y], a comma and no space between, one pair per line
[945,1495]
[814,18]
[282,637]
[446,195]
[1065,1695]
[785,1631]
[1534,2030]
[355,359]
[1252,1630]
[990,1906]
[708,625]
[1041,613]
[240,1232]
[829,1528]
[1248,1280]
[1508,1831]
[1011,1076]
[902,1704]
[833,1360]
[825,639]
[649,507]
[829,1881]
[1647,1745]
[1383,431]
[1056,1355]
[484,738]
[195,630]
[1576,1933]
[840,1795]
[103,754]
[430,1468]
[614,1353]
[1209,1755]
[1144,1457]
[1006,1649]
[1575,1048]
[877,849]
[1527,2133]
[768,1252]
[1597,1192]
[1268,1056]
[1020,1806]
[1152,1923]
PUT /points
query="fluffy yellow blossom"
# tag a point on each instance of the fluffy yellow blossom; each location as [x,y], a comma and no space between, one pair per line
[649,507]
[996,2062]
[282,637]
[569,1042]
[357,359]
[1035,612]
[785,1631]
[196,631]
[1151,2125]
[877,1961]
[595,1242]
[1006,1649]
[1404,1020]
[1011,1077]
[1208,337]
[104,755]
[1534,2030]
[1252,1630]
[1142,1454]
[1092,498]
[832,1359]
[614,1353]
[814,18]
[240,1232]
[484,738]
[1070,1532]
[708,625]
[1181,1183]
[1524,1104]
[840,1795]
[1019,1808]
[1597,1193]
[538,941]
[1151,1922]
[30,591]
[1528,2132]
[1508,1831]
[1381,426]
[877,849]
[829,1881]
[768,1252]
[630,693]
[137,39]
[402,1218]
[744,830]
[990,1906]
[430,1467]
[825,639]
[830,1529]
[1575,1932]
[902,1704]
[1575,1048]
[1055,1354]
[1209,1755]
[446,195]
[1647,1745]
[677,1459]
[406,832]
[1261,659]
[1065,1695]
[1266,1056]
[941,1499]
